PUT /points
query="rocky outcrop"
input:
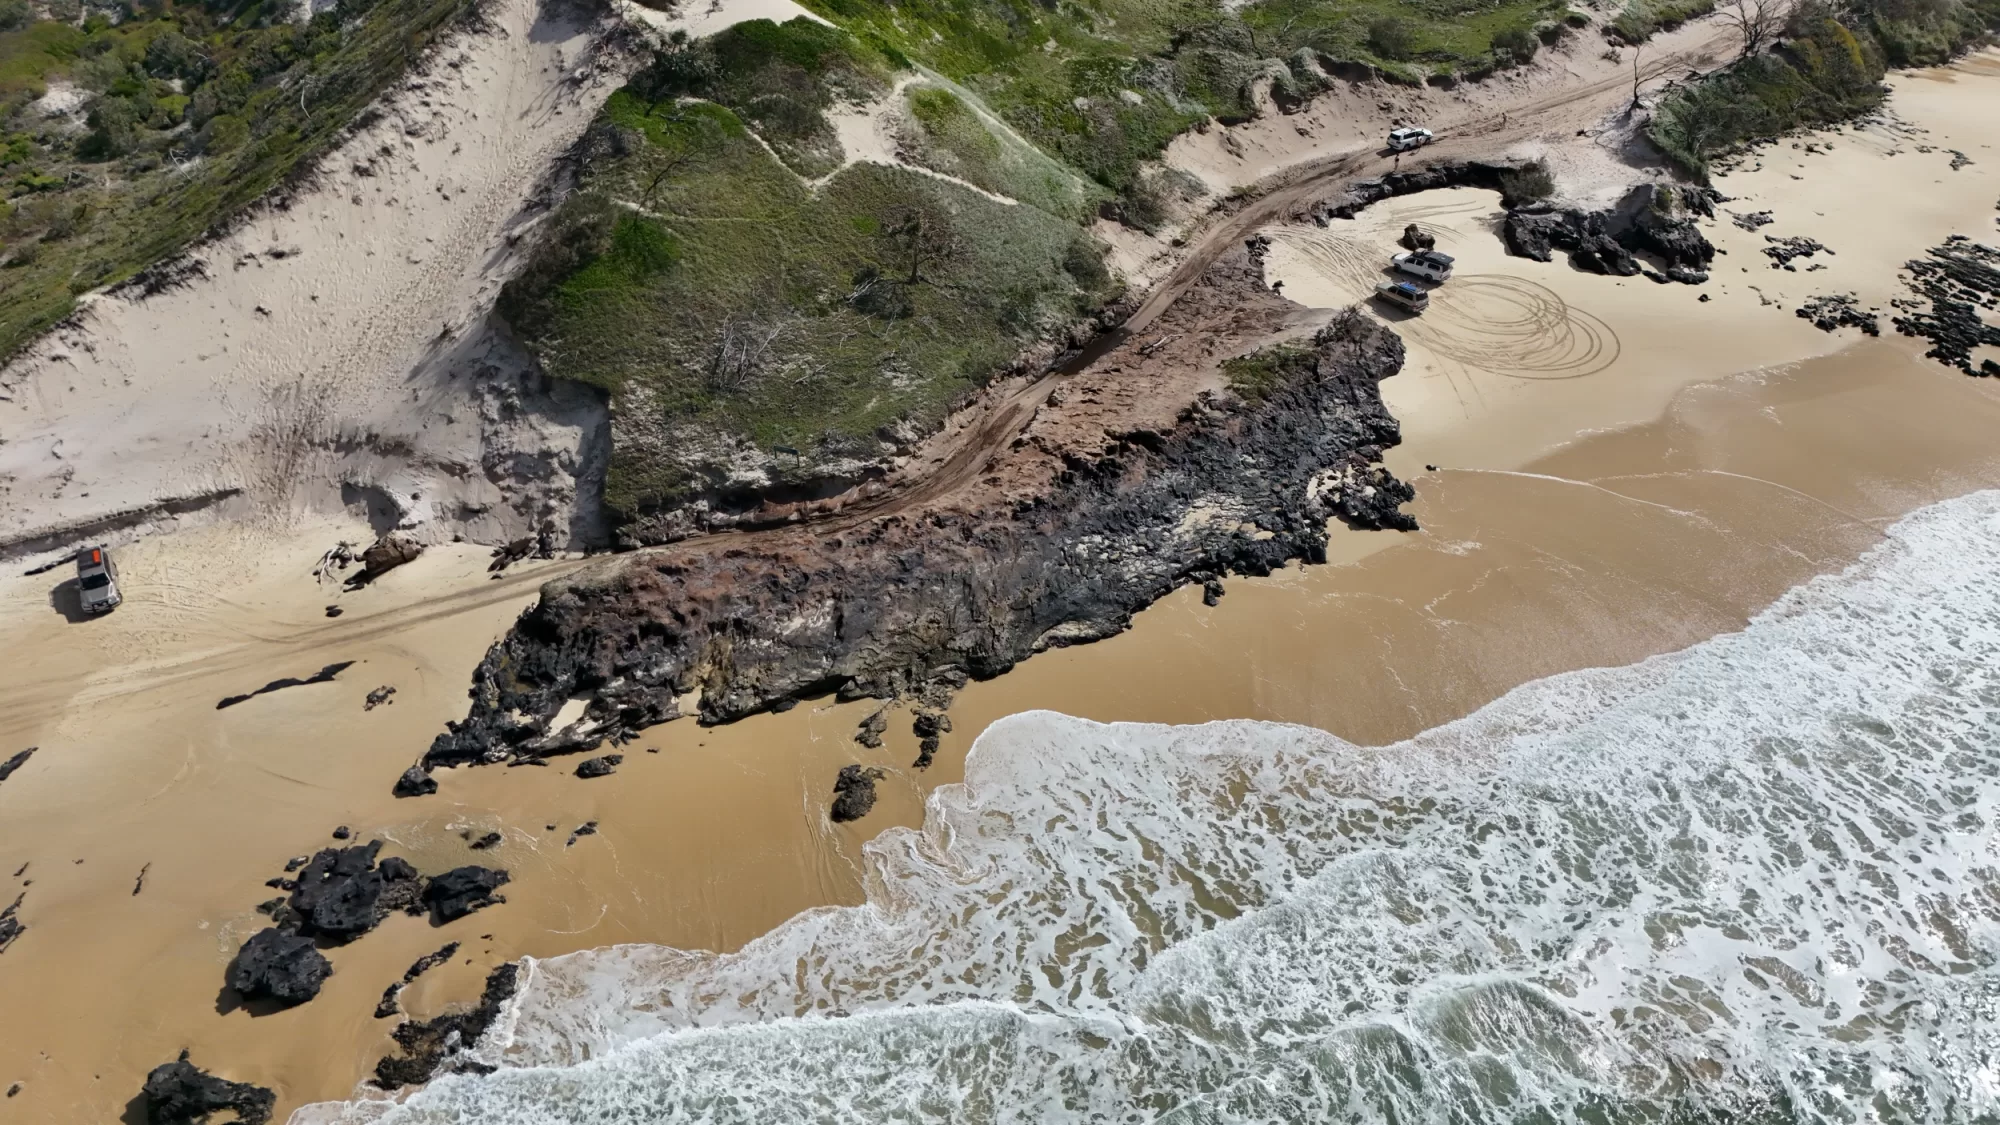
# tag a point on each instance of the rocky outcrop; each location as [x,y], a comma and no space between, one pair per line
[599,767]
[181,1093]
[1417,238]
[1656,220]
[854,792]
[1230,484]
[278,965]
[429,1045]
[1953,283]
[384,555]
[341,893]
[462,890]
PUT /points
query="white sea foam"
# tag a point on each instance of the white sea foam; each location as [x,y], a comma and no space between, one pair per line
[1758,879]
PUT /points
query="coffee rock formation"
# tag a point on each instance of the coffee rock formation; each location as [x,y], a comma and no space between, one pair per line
[181,1093]
[854,792]
[278,965]
[1238,483]
[428,1045]
[1953,283]
[462,890]
[1652,219]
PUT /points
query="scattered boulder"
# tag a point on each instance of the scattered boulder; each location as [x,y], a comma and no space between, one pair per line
[384,555]
[1953,283]
[279,966]
[1211,592]
[1837,311]
[334,611]
[376,698]
[600,767]
[415,782]
[1651,219]
[870,732]
[930,724]
[588,828]
[343,832]
[181,1093]
[462,890]
[1416,238]
[11,927]
[854,792]
[1782,251]
[20,759]
[489,840]
[926,753]
[426,1044]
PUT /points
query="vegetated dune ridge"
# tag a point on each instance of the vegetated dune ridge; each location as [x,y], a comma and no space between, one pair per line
[333,350]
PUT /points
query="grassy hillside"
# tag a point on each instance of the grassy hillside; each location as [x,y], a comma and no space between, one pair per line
[181,115]
[769,322]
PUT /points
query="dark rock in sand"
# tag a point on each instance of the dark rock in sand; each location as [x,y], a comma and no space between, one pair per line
[11,926]
[339,892]
[378,697]
[599,767]
[1955,280]
[425,1044]
[462,890]
[396,869]
[967,591]
[20,759]
[869,734]
[387,1006]
[279,966]
[1651,219]
[854,792]
[1840,310]
[589,828]
[181,1093]
[929,724]
[1416,238]
[1211,592]
[343,832]
[384,555]
[416,782]
[490,840]
[926,753]
[334,611]
[296,862]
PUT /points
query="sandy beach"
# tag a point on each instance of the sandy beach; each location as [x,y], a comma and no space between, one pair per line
[1621,469]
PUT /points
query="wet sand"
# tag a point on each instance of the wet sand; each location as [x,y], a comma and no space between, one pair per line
[1698,496]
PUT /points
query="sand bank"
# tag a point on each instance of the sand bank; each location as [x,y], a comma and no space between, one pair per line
[1718,492]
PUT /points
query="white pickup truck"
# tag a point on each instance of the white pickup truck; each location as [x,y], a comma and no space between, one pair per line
[1427,264]
[1409,137]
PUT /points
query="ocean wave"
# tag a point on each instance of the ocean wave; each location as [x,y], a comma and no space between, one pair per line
[1757,879]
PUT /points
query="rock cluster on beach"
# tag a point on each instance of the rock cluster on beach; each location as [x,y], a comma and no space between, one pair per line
[967,591]
[181,1093]
[854,792]
[1953,283]
[428,1044]
[1652,219]
[338,895]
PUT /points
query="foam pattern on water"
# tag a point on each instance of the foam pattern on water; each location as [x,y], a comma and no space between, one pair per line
[1756,880]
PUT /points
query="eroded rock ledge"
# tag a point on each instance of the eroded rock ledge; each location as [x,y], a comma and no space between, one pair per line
[968,588]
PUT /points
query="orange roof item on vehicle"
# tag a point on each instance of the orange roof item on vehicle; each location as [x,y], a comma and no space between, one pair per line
[97,556]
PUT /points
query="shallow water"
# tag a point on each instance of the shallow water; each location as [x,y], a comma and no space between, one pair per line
[1758,879]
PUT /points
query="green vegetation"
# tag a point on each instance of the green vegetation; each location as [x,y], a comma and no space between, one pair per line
[1642,19]
[1253,377]
[188,114]
[1526,184]
[1829,67]
[744,303]
[947,134]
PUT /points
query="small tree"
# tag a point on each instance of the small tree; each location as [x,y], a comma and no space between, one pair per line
[1757,21]
[690,138]
[922,236]
[1393,38]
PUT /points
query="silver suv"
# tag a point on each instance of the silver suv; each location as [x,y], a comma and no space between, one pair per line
[97,580]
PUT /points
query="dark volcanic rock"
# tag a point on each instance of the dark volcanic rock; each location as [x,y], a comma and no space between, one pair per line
[339,891]
[1955,281]
[599,767]
[462,890]
[1840,310]
[416,782]
[588,828]
[489,840]
[10,926]
[1652,219]
[940,595]
[424,964]
[20,759]
[280,966]
[427,1044]
[869,734]
[1417,238]
[181,1093]
[854,792]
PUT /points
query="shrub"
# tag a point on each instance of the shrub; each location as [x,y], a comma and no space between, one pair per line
[1393,38]
[1526,184]
[16,14]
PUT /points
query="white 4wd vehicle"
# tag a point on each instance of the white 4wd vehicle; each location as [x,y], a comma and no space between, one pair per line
[97,580]
[1427,264]
[1407,138]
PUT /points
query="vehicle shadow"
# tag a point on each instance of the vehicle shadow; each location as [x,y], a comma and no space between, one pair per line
[67,599]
